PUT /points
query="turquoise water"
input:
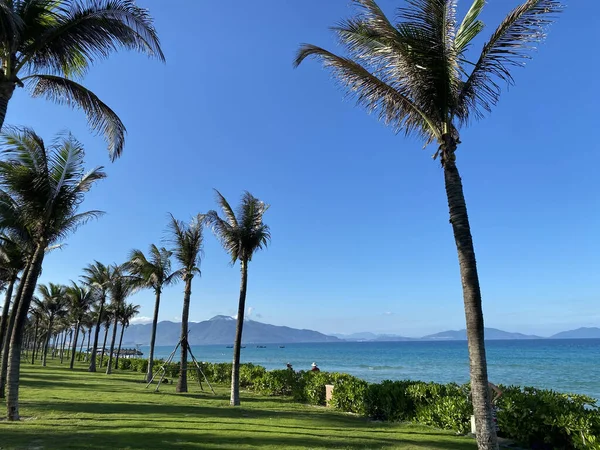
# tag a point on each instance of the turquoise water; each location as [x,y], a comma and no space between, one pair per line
[562,365]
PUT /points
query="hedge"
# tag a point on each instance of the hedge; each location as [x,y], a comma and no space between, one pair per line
[538,418]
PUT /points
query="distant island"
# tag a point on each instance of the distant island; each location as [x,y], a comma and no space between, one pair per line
[220,330]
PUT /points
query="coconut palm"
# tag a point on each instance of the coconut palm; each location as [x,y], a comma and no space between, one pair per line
[97,276]
[121,286]
[43,189]
[127,312]
[107,319]
[80,300]
[186,241]
[53,305]
[241,235]
[420,78]
[47,46]
[154,273]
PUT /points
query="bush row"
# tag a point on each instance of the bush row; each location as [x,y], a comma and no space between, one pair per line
[534,417]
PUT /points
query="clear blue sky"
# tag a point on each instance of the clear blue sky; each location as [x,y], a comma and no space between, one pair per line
[361,239]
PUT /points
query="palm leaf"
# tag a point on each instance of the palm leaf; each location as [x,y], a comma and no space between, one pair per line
[470,27]
[100,117]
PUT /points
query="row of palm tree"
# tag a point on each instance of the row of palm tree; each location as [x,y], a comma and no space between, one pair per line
[47,47]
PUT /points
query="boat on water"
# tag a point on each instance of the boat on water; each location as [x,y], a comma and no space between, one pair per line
[230,346]
[282,346]
[261,346]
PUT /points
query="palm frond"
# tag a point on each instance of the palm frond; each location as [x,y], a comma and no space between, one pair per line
[186,242]
[509,46]
[227,234]
[470,27]
[11,25]
[101,118]
[226,208]
[374,94]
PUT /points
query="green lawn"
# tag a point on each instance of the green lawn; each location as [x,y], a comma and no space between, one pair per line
[80,410]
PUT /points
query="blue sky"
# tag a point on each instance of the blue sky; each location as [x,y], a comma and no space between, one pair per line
[361,239]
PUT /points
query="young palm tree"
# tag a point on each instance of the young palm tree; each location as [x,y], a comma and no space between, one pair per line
[154,273]
[419,78]
[241,235]
[48,45]
[128,312]
[53,304]
[41,188]
[187,243]
[97,276]
[81,299]
[121,286]
[108,315]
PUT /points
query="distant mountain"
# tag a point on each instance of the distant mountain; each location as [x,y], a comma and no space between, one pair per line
[221,330]
[367,336]
[490,334]
[579,333]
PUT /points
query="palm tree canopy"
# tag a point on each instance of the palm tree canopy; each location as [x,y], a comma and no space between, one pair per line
[14,252]
[81,299]
[417,74]
[120,287]
[41,188]
[53,301]
[45,44]
[243,233]
[187,242]
[97,276]
[128,312]
[154,271]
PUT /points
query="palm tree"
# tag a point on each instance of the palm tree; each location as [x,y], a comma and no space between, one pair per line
[97,276]
[128,312]
[187,243]
[121,286]
[81,299]
[419,78]
[53,305]
[241,235]
[154,273]
[40,188]
[107,319]
[49,45]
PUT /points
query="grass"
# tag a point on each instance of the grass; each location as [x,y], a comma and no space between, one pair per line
[65,409]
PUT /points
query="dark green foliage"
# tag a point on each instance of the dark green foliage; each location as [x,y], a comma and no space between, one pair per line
[533,417]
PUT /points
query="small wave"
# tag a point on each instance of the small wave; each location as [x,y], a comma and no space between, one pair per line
[366,366]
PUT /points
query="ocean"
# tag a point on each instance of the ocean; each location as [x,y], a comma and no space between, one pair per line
[563,365]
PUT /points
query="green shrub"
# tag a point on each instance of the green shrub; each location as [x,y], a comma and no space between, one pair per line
[349,393]
[389,400]
[281,382]
[314,386]
[250,374]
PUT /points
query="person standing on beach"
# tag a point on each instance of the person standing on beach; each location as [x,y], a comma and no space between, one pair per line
[314,367]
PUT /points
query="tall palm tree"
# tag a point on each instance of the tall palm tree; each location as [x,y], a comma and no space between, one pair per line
[97,276]
[186,241]
[47,46]
[127,312]
[43,189]
[107,319]
[53,304]
[81,299]
[154,273]
[13,254]
[121,286]
[418,76]
[241,235]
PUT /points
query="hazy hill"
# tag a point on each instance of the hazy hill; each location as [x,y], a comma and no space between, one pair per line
[490,334]
[579,333]
[221,330]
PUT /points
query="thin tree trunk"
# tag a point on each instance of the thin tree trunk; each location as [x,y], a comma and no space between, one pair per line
[486,433]
[4,319]
[80,354]
[119,349]
[92,367]
[6,92]
[16,339]
[74,347]
[187,294]
[62,346]
[87,352]
[55,346]
[112,344]
[235,368]
[35,339]
[104,344]
[47,343]
[153,337]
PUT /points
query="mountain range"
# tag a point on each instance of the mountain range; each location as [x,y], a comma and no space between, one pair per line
[220,330]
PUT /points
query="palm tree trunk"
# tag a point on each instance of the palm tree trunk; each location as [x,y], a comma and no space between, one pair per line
[6,92]
[187,294]
[47,343]
[112,345]
[104,344]
[87,353]
[119,349]
[35,339]
[153,337]
[4,319]
[16,339]
[74,346]
[62,346]
[486,433]
[80,354]
[92,367]
[55,345]
[237,345]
